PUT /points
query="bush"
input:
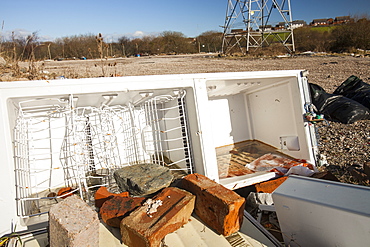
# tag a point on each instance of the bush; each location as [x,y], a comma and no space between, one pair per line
[352,36]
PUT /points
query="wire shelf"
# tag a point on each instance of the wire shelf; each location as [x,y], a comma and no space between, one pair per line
[59,144]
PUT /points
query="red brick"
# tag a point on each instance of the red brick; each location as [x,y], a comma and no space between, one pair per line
[220,208]
[102,195]
[271,185]
[115,209]
[65,192]
[141,229]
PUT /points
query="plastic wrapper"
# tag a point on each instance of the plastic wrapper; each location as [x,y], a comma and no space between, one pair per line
[355,89]
[281,165]
[337,107]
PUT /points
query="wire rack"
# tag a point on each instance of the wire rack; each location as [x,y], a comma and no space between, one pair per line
[58,144]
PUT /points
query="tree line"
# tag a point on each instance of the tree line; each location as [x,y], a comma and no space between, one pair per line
[349,37]
[90,46]
[344,38]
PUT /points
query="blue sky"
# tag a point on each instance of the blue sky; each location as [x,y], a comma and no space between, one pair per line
[115,18]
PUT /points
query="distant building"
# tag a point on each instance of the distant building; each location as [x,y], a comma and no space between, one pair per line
[298,23]
[237,30]
[280,26]
[266,28]
[319,22]
[327,22]
[341,20]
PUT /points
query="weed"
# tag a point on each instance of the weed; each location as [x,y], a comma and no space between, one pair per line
[5,239]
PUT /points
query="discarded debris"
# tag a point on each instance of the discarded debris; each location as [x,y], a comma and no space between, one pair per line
[337,107]
[152,205]
[138,229]
[356,89]
[281,165]
[220,208]
[73,223]
[116,208]
[65,192]
[143,179]
[102,195]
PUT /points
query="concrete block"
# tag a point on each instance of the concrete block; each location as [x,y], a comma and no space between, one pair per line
[220,208]
[73,223]
[147,227]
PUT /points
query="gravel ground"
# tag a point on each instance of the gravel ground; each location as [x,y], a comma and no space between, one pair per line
[345,146]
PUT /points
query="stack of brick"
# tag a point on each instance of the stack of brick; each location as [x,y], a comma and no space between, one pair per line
[144,228]
[73,223]
[220,208]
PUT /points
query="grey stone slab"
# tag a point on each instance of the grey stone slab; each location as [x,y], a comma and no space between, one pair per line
[143,179]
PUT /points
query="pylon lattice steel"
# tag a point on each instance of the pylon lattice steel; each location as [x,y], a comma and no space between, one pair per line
[247,25]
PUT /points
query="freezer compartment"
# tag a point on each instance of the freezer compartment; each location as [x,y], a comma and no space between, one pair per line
[71,142]
[76,133]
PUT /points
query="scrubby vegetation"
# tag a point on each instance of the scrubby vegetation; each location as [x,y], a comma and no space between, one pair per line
[350,37]
[90,46]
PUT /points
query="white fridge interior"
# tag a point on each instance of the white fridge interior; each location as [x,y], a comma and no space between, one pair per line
[256,115]
[75,133]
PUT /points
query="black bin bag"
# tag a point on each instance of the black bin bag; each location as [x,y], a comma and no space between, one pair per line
[337,107]
[354,88]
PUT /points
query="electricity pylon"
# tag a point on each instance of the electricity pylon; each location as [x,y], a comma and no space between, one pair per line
[257,24]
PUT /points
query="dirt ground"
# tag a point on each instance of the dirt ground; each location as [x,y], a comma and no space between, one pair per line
[326,71]
[346,146]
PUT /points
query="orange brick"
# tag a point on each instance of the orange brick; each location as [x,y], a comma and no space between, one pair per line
[102,195]
[271,185]
[220,208]
[65,192]
[141,229]
[114,210]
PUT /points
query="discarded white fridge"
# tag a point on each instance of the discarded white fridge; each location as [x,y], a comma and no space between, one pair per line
[75,133]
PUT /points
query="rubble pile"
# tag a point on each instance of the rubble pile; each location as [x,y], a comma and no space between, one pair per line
[145,219]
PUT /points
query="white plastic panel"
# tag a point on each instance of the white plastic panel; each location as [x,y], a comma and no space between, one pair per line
[272,113]
[316,212]
[194,233]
